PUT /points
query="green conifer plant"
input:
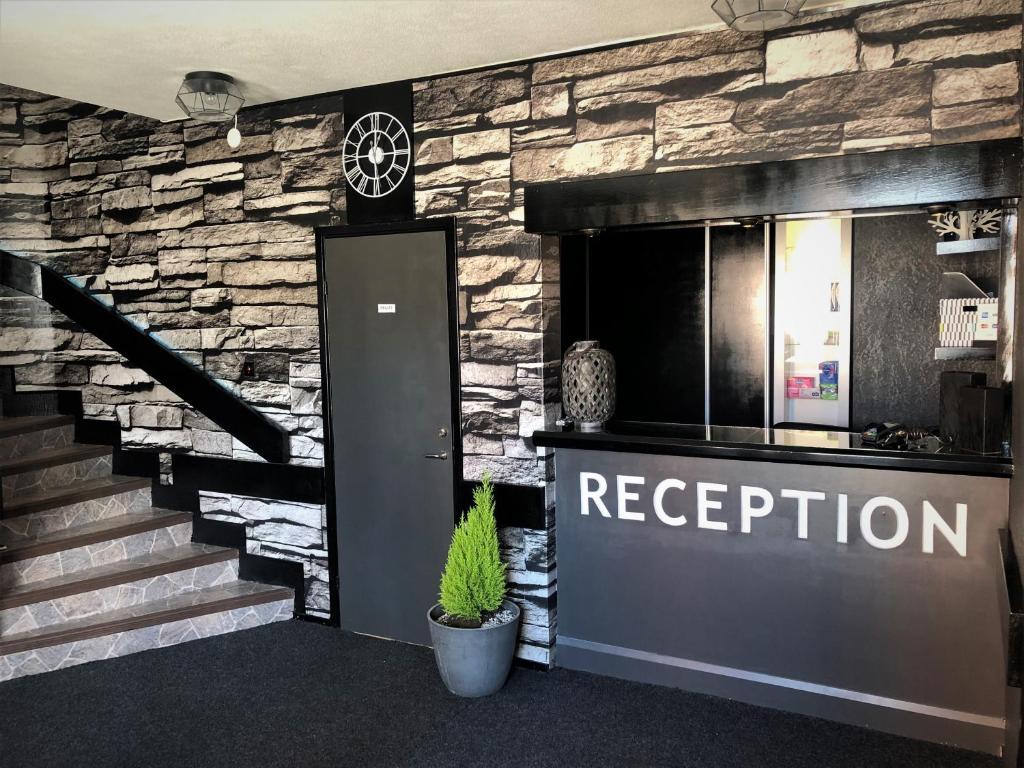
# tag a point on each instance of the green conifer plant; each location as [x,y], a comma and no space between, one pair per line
[473,581]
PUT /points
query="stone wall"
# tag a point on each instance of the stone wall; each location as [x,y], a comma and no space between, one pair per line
[210,249]
[213,249]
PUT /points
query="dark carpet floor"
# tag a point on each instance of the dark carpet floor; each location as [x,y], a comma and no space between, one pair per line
[299,694]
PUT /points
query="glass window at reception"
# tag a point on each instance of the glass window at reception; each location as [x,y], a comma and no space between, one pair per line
[825,322]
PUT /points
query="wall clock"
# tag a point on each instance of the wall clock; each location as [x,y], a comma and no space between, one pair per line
[376,154]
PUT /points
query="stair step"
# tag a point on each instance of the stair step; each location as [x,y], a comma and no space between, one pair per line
[181,571]
[21,425]
[83,490]
[18,548]
[143,566]
[53,467]
[20,435]
[211,600]
[52,457]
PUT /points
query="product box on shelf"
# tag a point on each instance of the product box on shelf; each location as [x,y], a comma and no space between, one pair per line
[802,388]
[965,321]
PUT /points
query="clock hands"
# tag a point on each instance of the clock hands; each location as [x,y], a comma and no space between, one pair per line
[377,153]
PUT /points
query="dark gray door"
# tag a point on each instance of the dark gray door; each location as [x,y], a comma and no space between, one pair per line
[392,425]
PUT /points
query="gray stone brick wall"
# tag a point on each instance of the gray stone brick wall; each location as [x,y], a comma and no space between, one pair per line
[212,249]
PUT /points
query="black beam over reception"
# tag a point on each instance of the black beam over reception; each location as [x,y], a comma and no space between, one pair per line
[951,173]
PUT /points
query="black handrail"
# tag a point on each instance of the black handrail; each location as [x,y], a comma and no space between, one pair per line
[142,350]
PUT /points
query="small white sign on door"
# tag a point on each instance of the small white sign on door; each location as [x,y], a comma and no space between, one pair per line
[385,309]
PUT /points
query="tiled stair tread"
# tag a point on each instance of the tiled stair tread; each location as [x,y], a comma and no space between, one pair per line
[20,425]
[107,529]
[82,490]
[144,566]
[52,457]
[236,594]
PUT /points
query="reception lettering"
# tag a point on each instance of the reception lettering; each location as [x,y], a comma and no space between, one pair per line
[883,522]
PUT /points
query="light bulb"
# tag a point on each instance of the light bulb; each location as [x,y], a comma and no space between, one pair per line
[234,138]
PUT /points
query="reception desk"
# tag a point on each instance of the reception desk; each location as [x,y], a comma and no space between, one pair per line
[797,570]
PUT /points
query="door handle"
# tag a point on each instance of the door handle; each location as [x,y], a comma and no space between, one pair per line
[442,456]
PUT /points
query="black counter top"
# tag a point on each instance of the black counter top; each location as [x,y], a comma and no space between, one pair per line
[783,445]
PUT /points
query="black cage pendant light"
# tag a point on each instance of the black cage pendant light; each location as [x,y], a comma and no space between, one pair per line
[211,97]
[757,15]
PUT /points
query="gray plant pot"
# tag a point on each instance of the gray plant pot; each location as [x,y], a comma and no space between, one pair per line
[474,662]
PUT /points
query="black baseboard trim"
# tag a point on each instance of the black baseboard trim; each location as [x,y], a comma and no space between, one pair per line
[285,482]
[530,664]
[516,506]
[279,573]
[1014,600]
[6,379]
[266,570]
[138,462]
[41,402]
[322,620]
[174,497]
[97,432]
[217,533]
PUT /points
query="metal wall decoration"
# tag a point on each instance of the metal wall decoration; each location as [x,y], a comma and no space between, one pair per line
[966,225]
[588,385]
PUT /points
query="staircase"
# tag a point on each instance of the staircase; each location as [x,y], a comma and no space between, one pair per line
[89,568]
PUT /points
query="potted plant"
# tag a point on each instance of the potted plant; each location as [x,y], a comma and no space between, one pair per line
[474,628]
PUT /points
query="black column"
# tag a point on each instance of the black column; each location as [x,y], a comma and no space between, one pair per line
[737,319]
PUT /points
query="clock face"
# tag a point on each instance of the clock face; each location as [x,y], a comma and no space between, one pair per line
[376,154]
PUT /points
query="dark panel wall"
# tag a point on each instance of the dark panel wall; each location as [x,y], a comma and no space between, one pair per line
[896,288]
[737,380]
[647,309]
[847,616]
[573,258]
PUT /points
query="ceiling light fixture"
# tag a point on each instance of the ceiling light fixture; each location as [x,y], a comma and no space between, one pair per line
[210,97]
[757,15]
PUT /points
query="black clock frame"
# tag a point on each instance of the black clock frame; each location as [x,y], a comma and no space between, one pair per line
[398,205]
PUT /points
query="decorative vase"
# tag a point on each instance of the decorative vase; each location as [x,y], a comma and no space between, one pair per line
[588,385]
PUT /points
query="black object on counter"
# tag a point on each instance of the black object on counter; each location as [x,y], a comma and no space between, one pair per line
[950,384]
[981,420]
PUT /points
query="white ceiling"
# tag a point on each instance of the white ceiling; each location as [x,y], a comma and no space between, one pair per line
[133,55]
